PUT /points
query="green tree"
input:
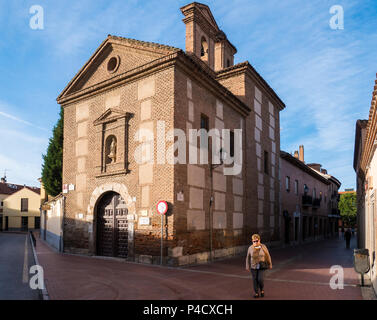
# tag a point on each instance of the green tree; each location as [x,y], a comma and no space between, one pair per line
[52,166]
[348,208]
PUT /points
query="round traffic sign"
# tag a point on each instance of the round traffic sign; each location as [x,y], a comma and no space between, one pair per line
[162,207]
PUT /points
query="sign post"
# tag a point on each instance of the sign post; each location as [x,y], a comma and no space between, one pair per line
[162,208]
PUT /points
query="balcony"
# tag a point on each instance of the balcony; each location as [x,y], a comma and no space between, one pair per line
[307,201]
[316,203]
[335,211]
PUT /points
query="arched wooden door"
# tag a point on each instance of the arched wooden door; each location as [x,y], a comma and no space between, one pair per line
[112,226]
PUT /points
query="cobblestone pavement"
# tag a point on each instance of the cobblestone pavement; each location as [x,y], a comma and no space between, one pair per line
[301,272]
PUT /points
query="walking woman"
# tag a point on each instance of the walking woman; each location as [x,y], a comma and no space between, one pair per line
[260,261]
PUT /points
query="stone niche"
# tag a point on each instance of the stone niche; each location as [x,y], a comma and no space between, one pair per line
[112,135]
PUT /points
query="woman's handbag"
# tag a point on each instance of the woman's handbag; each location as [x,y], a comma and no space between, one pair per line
[263,265]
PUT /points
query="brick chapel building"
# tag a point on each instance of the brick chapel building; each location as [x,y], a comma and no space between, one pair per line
[119,102]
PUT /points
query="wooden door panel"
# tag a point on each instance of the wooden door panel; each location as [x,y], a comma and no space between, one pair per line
[112,229]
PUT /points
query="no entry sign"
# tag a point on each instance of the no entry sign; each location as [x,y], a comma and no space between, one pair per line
[162,207]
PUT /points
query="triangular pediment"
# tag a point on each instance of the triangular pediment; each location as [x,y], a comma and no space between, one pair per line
[115,56]
[196,8]
[111,114]
[206,12]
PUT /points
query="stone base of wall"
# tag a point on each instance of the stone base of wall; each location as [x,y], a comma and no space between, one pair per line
[77,251]
[198,258]
[176,259]
[52,239]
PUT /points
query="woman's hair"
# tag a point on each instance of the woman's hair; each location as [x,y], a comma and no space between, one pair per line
[255,236]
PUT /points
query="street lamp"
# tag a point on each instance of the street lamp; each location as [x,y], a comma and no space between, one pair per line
[223,156]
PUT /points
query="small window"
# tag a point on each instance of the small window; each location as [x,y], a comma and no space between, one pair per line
[296,186]
[306,189]
[227,63]
[204,122]
[204,48]
[287,183]
[113,64]
[266,163]
[314,194]
[232,144]
[24,204]
[1,203]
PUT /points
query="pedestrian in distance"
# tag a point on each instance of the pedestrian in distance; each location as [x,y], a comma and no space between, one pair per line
[347,236]
[258,259]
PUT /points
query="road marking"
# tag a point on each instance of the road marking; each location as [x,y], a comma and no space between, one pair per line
[25,274]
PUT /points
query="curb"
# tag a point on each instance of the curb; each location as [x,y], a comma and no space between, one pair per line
[43,293]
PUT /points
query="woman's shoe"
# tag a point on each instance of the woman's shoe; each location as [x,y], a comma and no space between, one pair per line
[262,293]
[256,295]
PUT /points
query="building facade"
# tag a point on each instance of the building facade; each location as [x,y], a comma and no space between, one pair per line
[19,207]
[309,200]
[360,134]
[127,112]
[52,213]
[365,165]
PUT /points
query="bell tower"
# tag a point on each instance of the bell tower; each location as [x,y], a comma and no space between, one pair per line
[204,39]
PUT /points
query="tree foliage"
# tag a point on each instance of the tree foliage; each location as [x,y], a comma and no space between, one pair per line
[52,166]
[348,208]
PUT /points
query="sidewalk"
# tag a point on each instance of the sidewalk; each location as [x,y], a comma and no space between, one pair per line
[299,273]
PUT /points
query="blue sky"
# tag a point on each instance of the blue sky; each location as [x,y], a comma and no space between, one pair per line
[324,76]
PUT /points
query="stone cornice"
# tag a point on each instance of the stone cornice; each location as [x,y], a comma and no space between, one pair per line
[163,50]
[370,140]
[247,68]
[299,164]
[131,75]
[179,58]
[359,143]
[205,77]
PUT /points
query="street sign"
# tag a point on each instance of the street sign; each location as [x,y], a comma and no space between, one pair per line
[162,207]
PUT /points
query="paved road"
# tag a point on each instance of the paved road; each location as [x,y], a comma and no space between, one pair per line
[299,273]
[16,258]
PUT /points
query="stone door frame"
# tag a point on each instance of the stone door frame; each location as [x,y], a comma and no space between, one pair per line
[96,196]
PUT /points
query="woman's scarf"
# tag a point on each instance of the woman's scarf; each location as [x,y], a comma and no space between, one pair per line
[257,256]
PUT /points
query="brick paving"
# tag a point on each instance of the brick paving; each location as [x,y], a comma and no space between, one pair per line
[301,272]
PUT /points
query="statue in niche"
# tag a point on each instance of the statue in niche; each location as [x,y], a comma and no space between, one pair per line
[112,150]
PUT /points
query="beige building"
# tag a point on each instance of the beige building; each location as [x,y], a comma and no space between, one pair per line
[120,154]
[365,165]
[19,207]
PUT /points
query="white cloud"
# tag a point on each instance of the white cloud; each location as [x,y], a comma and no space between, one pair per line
[14,118]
